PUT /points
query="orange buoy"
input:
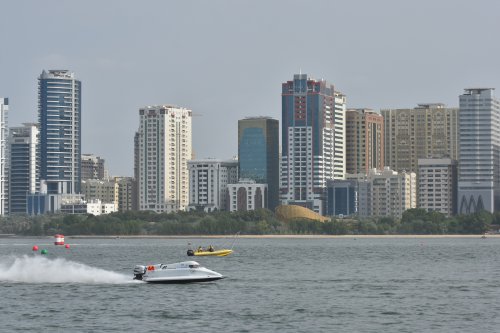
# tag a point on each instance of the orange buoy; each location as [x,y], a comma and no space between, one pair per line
[59,239]
[66,246]
[35,248]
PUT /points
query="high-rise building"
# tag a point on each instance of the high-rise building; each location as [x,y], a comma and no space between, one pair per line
[208,183]
[437,185]
[92,167]
[313,140]
[23,170]
[258,154]
[4,161]
[164,147]
[135,184]
[364,141]
[479,158]
[59,117]
[427,131]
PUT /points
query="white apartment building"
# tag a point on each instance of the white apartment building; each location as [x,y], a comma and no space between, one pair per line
[97,207]
[437,184]
[386,192]
[246,195]
[4,161]
[164,146]
[208,183]
[479,151]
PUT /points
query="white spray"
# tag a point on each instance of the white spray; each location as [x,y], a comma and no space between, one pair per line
[37,269]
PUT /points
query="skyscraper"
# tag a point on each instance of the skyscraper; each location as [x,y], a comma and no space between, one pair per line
[4,167]
[427,131]
[23,174]
[163,147]
[479,146]
[364,141]
[313,140]
[258,154]
[59,117]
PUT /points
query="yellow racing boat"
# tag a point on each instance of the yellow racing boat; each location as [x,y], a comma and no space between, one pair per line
[213,252]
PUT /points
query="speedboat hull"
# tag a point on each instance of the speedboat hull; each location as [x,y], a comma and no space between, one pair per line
[189,280]
[183,272]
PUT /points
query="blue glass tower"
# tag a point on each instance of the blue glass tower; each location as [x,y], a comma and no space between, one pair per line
[59,116]
[258,154]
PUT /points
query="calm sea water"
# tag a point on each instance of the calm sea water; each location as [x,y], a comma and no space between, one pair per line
[272,285]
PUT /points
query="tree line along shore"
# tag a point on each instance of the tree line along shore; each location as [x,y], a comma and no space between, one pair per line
[258,222]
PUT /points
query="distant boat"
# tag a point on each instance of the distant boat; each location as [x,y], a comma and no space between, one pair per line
[209,252]
[483,236]
[212,251]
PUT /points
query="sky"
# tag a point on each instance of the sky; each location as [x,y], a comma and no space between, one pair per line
[226,59]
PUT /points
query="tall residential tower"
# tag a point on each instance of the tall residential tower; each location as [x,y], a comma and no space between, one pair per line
[313,140]
[164,148]
[364,141]
[59,117]
[4,161]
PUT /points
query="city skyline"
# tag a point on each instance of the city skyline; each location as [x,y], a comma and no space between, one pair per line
[396,55]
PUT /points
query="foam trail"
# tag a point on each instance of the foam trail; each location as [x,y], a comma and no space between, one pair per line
[37,269]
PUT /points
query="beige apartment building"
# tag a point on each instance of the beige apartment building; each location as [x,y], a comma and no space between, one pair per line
[364,141]
[427,131]
[103,190]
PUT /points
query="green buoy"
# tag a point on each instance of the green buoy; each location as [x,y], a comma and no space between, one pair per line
[44,251]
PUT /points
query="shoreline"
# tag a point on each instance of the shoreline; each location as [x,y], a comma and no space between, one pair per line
[255,236]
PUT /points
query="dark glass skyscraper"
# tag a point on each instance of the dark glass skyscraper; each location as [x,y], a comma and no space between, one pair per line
[258,154]
[59,116]
[23,178]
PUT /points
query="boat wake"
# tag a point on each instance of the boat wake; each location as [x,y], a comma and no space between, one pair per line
[37,269]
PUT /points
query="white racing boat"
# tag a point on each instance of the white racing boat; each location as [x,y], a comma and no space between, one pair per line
[181,272]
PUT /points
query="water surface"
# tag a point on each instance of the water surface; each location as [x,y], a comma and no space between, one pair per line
[287,285]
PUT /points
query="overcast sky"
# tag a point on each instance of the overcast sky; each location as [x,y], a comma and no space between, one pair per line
[226,60]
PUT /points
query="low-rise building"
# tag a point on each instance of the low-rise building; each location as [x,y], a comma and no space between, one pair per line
[246,195]
[96,207]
